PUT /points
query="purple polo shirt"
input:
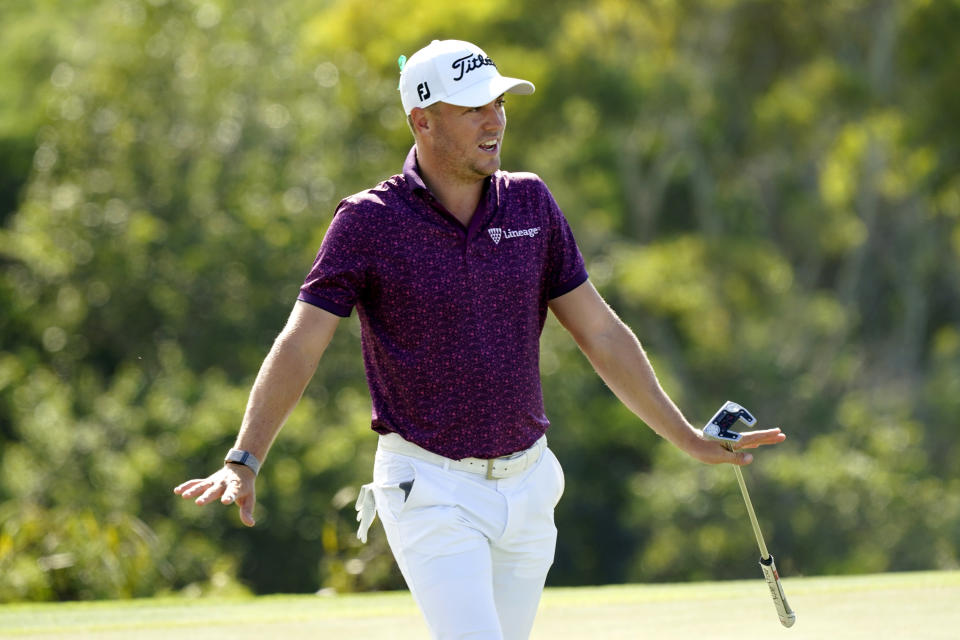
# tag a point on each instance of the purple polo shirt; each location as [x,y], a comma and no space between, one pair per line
[450,316]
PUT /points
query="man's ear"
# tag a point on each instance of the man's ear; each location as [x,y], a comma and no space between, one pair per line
[419,120]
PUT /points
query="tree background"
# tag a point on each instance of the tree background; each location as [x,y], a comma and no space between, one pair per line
[766,191]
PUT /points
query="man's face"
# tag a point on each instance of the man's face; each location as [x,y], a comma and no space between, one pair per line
[465,141]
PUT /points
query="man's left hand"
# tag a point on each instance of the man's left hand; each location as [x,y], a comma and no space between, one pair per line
[714,452]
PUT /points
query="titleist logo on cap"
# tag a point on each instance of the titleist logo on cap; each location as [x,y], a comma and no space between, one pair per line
[468,63]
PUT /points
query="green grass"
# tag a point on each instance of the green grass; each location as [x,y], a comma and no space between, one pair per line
[911,606]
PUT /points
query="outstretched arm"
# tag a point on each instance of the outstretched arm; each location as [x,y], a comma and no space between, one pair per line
[284,375]
[620,360]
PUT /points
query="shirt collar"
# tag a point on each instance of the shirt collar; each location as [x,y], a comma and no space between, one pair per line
[411,171]
[489,198]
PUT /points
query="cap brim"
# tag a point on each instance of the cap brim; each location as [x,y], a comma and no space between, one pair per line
[487,91]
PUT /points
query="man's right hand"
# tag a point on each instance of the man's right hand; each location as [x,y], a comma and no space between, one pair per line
[232,483]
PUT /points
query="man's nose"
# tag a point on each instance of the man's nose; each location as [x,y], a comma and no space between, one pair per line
[495,119]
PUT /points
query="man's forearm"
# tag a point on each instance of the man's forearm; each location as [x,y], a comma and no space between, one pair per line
[618,358]
[284,375]
[277,390]
[621,362]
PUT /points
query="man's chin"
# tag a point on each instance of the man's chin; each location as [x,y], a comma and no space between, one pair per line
[487,168]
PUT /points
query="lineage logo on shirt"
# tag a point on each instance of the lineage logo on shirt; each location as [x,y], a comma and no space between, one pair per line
[497,234]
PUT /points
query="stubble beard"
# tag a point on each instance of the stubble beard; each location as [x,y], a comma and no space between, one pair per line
[460,165]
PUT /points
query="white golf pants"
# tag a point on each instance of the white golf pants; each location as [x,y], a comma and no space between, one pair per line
[474,551]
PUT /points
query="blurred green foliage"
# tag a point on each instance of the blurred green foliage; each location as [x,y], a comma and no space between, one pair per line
[767,192]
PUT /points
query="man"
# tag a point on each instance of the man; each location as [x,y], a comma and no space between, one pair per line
[452,266]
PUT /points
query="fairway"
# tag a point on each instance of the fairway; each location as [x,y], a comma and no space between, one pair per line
[911,606]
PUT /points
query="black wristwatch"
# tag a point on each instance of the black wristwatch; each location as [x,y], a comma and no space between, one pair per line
[247,459]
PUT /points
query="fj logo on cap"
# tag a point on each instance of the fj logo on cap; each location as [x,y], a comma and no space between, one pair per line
[423,91]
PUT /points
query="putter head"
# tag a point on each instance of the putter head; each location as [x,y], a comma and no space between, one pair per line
[728,415]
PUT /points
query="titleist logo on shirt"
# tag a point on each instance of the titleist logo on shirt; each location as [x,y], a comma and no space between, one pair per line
[497,234]
[466,64]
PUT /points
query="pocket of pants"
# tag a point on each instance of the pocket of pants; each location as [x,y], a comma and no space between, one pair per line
[559,475]
[394,482]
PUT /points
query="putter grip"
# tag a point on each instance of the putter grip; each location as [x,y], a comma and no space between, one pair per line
[784,612]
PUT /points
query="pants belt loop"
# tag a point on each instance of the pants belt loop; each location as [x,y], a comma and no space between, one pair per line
[490,469]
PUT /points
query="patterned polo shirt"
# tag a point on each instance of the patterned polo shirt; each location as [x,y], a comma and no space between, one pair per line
[450,315]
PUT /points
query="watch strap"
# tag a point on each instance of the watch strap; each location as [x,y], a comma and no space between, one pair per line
[247,459]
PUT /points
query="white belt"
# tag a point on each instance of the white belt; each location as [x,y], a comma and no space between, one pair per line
[492,468]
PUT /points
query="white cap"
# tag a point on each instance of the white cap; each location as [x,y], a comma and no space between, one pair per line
[455,72]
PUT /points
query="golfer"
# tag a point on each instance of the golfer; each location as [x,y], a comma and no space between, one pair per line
[452,266]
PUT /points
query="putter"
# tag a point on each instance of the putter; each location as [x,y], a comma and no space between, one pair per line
[719,429]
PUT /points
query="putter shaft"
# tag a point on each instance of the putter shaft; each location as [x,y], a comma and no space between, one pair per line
[753,516]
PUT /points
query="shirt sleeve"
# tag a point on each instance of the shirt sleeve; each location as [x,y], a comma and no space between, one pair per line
[338,275]
[565,267]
